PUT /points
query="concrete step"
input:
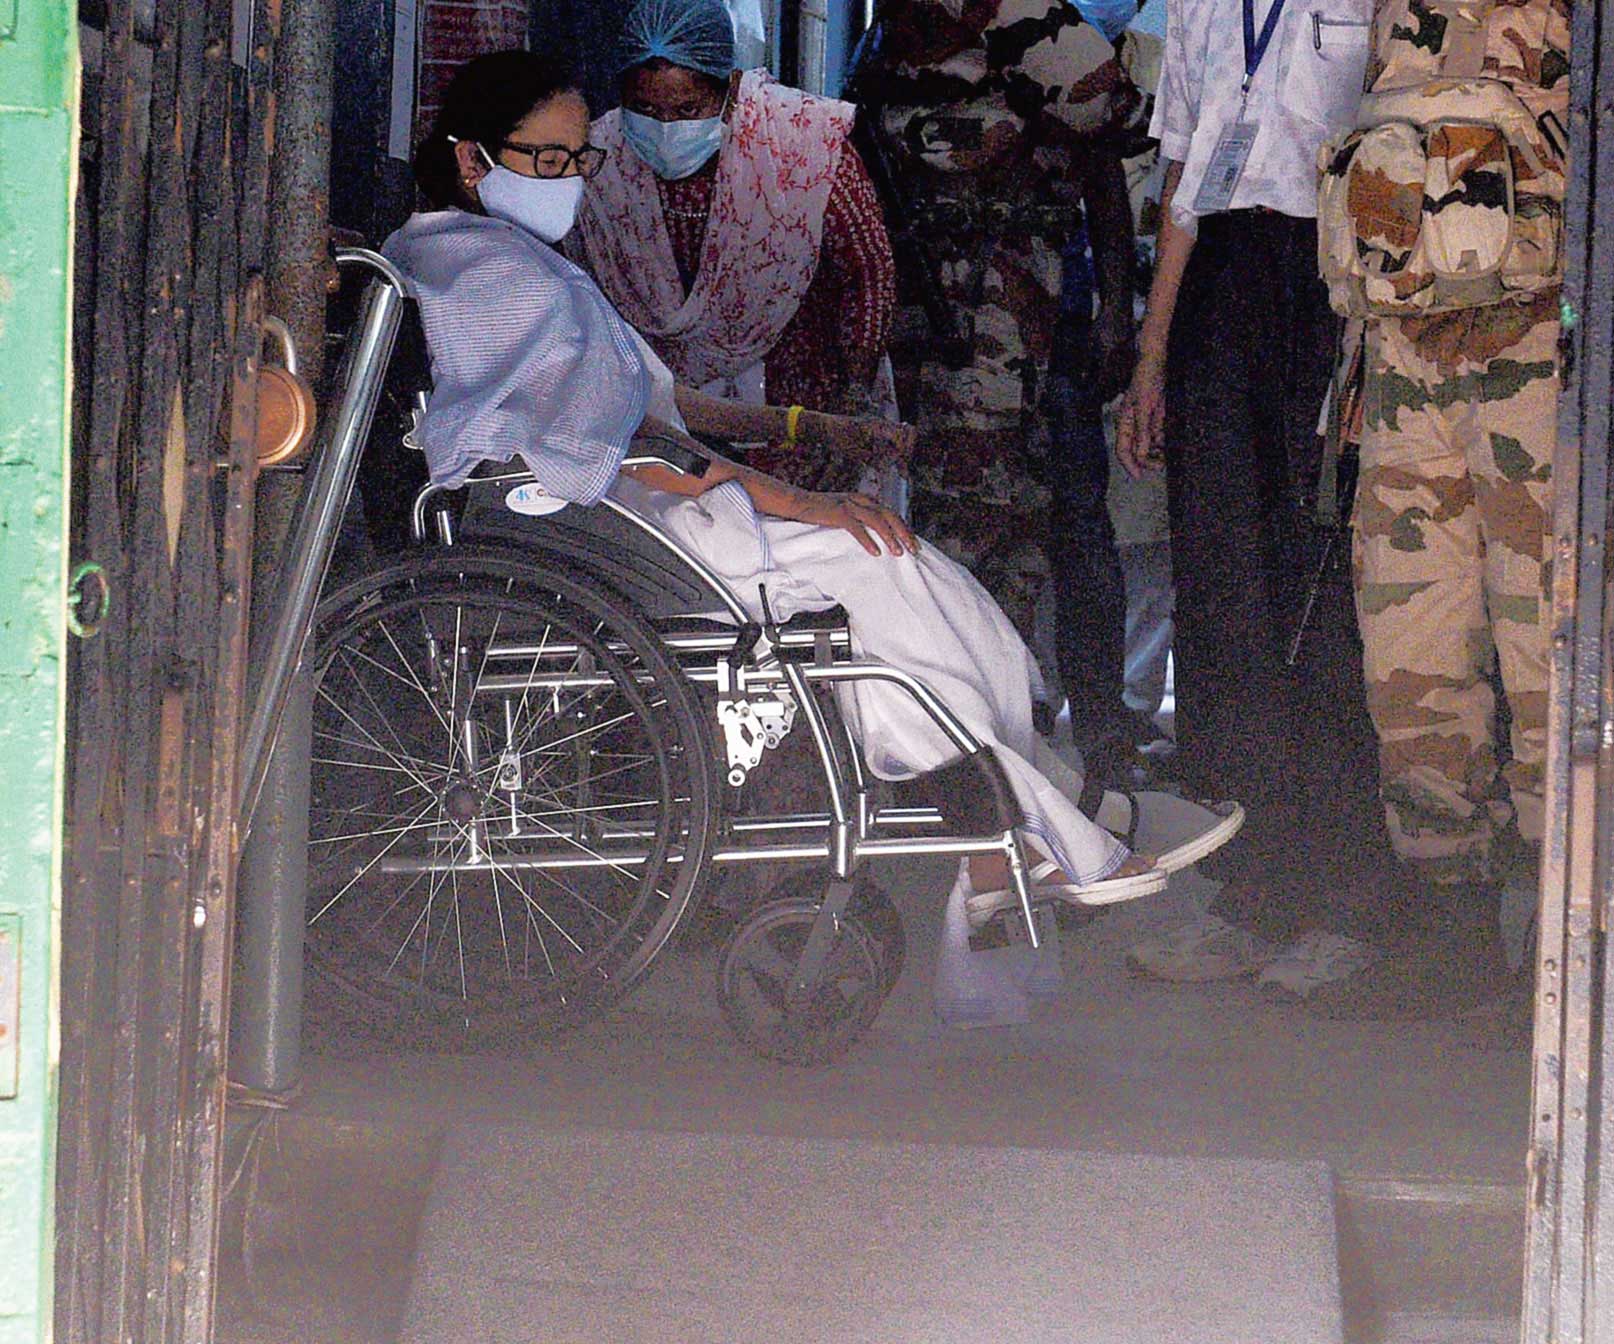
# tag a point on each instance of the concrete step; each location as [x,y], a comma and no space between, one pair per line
[1409,1327]
[583,1235]
[1431,1261]
[319,1225]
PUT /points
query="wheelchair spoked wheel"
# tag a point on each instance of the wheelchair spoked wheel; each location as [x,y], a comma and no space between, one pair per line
[512,794]
[821,1021]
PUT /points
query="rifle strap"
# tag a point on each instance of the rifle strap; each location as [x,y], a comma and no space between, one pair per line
[1344,422]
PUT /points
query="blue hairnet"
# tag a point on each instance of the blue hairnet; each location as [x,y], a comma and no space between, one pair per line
[696,34]
[1110,17]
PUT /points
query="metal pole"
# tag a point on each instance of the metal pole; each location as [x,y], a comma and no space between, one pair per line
[266,1021]
[300,175]
[277,739]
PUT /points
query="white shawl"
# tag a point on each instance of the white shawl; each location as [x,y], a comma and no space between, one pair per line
[527,356]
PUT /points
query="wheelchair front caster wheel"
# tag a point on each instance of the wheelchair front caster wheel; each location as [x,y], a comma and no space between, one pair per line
[802,1024]
[870,905]
[873,908]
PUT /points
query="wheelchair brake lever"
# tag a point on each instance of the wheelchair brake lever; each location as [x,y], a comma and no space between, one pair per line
[800,654]
[770,627]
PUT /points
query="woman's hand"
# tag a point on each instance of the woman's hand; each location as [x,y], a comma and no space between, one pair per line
[869,521]
[864,518]
[1140,435]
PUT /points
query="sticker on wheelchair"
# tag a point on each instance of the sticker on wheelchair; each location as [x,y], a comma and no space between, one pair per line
[533,500]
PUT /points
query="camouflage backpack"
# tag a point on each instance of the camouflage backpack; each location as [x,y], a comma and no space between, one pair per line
[1448,193]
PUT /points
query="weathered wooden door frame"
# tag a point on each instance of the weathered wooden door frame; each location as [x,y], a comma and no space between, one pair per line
[167,328]
[1569,1275]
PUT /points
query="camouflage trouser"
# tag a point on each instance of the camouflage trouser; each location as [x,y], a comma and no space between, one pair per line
[978,483]
[1452,575]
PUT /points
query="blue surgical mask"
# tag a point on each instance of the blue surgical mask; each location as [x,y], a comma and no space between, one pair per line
[546,206]
[673,149]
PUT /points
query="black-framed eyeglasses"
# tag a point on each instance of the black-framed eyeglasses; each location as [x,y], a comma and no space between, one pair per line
[557,160]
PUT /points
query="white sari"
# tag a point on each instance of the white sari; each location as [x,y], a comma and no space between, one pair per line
[924,614]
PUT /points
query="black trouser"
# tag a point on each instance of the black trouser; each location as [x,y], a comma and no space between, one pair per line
[1085,568]
[1253,344]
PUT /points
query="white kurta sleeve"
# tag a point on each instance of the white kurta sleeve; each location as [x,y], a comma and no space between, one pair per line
[1176,107]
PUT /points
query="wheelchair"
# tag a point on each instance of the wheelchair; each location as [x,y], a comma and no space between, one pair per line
[531,741]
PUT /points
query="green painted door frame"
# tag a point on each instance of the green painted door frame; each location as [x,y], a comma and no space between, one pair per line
[38,154]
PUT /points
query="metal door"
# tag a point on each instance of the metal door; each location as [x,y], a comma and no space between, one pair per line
[38,75]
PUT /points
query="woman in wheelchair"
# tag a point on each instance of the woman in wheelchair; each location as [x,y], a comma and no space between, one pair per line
[529,359]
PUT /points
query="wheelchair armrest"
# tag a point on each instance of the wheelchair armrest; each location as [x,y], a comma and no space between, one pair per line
[673,456]
[816,622]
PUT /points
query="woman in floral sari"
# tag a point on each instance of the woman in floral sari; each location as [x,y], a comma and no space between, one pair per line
[738,231]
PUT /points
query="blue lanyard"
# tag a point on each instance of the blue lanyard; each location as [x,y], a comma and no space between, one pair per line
[1256,47]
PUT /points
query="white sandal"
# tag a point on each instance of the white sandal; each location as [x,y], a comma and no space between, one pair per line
[980,906]
[1230,820]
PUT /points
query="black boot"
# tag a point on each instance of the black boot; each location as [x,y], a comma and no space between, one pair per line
[1445,964]
[1118,760]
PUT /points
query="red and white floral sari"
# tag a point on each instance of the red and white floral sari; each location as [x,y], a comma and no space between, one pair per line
[779,160]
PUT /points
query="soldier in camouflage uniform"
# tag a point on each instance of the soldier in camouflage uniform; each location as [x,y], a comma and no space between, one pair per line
[983,100]
[1452,521]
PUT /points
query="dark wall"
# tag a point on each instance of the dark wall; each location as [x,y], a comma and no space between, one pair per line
[588,28]
[370,191]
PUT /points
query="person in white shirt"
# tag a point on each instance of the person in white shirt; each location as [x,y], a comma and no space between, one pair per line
[1235,355]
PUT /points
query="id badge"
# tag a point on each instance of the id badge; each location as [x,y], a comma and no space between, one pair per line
[1226,166]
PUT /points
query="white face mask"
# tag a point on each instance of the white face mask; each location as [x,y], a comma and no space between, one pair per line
[673,149]
[546,206]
